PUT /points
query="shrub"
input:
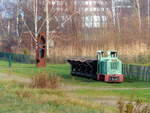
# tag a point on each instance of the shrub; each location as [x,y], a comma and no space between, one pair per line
[121,104]
[26,51]
[44,80]
[133,106]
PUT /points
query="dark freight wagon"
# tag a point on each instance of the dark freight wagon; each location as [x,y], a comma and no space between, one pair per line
[107,67]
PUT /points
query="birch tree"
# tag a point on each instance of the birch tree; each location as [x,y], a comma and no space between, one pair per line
[47,27]
[118,19]
[139,14]
[114,12]
[36,17]
[17,19]
[148,12]
[137,8]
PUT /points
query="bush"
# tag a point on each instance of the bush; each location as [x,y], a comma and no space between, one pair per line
[26,51]
[44,80]
[133,106]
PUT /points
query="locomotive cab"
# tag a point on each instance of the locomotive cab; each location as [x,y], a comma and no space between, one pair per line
[110,68]
[114,64]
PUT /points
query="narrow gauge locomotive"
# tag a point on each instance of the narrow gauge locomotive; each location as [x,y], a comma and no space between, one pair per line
[107,67]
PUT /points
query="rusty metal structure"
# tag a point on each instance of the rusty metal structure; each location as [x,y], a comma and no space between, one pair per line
[41,50]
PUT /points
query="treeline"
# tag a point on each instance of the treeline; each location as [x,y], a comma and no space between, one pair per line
[126,29]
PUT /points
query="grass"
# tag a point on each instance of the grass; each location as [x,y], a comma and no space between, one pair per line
[87,98]
[15,104]
[63,70]
[126,94]
[17,98]
[24,100]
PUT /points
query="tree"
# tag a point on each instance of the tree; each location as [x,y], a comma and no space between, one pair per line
[47,27]
[148,12]
[136,4]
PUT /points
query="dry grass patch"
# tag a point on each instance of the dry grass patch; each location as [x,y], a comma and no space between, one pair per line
[24,94]
[133,106]
[45,80]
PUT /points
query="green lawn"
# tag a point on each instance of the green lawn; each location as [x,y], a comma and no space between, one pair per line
[126,94]
[15,98]
[63,70]
[19,98]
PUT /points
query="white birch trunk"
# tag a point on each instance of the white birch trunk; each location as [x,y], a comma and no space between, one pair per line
[118,20]
[148,14]
[17,19]
[139,14]
[8,27]
[36,18]
[114,12]
[47,28]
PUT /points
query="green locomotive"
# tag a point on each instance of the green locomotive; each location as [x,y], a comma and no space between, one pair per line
[107,67]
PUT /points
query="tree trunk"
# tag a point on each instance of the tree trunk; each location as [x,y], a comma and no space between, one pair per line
[148,14]
[17,25]
[36,18]
[47,27]
[139,14]
[8,27]
[113,12]
[118,20]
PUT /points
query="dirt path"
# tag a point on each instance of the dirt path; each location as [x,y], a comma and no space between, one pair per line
[7,77]
[68,87]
